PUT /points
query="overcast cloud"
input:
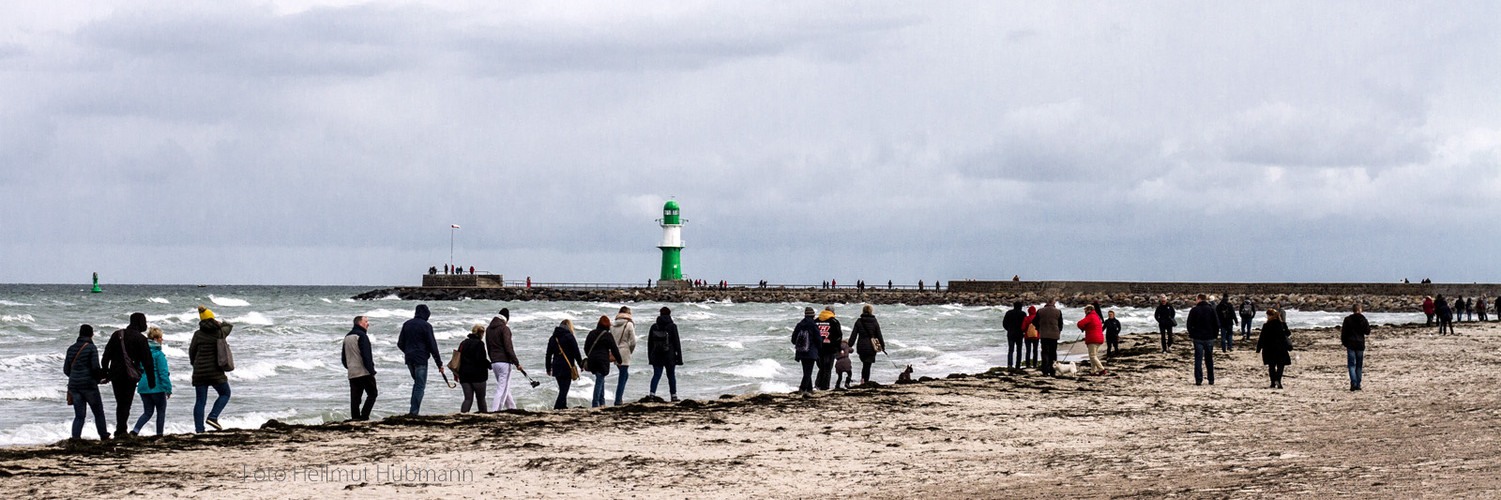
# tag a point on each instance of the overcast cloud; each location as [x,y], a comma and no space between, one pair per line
[334,142]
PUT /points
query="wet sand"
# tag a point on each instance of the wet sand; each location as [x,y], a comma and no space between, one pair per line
[1426,425]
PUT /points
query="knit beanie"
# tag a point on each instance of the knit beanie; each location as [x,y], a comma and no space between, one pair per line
[204,313]
[506,312]
[807,311]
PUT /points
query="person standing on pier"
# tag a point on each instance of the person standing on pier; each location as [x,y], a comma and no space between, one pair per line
[1167,318]
[502,353]
[1203,327]
[359,361]
[1012,323]
[418,344]
[830,335]
[1352,335]
[1049,323]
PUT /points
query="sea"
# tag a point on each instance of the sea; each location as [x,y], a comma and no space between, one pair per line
[287,342]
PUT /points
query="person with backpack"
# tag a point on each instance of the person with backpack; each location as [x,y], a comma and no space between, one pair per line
[830,335]
[417,344]
[1031,337]
[503,359]
[866,339]
[664,351]
[1012,323]
[1274,344]
[600,351]
[473,369]
[81,365]
[154,399]
[209,354]
[562,360]
[360,364]
[1247,313]
[805,343]
[126,359]
[1227,320]
[624,331]
[1167,318]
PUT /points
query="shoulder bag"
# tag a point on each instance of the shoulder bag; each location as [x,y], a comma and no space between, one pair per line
[131,371]
[225,357]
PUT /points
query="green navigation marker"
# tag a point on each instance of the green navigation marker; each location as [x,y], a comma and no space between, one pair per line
[96,285]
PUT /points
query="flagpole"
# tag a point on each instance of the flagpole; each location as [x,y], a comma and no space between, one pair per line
[450,247]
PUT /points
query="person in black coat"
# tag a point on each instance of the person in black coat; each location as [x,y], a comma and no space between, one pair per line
[1112,335]
[664,351]
[1352,335]
[830,337]
[1227,317]
[1274,343]
[1167,318]
[1015,334]
[474,368]
[600,348]
[867,340]
[128,343]
[562,360]
[417,344]
[1445,315]
[81,365]
[1203,326]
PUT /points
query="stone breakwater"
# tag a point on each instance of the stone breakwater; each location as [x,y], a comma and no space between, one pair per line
[1180,300]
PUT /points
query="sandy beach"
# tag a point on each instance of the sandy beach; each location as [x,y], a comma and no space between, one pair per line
[1426,425]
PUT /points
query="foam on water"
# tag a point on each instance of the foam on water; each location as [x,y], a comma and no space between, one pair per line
[391,313]
[251,318]
[228,301]
[34,393]
[4,302]
[761,368]
[17,318]
[262,369]
[774,387]
[159,300]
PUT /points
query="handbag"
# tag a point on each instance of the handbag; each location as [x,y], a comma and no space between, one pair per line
[573,370]
[131,371]
[225,357]
[453,362]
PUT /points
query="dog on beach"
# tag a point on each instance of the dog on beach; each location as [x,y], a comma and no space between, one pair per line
[1069,368]
[905,376]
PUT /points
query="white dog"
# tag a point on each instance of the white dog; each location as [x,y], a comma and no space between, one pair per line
[1069,368]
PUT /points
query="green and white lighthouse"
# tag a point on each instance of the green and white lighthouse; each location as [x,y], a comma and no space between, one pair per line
[672,242]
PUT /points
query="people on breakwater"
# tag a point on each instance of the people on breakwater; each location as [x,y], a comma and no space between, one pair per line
[1049,323]
[154,399]
[359,362]
[805,347]
[1203,326]
[1247,313]
[209,354]
[502,353]
[126,359]
[1031,337]
[1015,330]
[562,360]
[1352,335]
[664,351]
[473,369]
[600,351]
[1274,345]
[624,331]
[1445,315]
[1167,318]
[830,335]
[1094,336]
[1225,313]
[867,340]
[1112,335]
[417,344]
[81,365]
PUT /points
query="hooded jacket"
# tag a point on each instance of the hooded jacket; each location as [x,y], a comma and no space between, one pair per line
[498,342]
[866,329]
[624,331]
[1031,318]
[81,365]
[417,341]
[1049,321]
[1203,323]
[163,377]
[805,340]
[601,345]
[1442,309]
[474,365]
[1094,329]
[1273,343]
[366,359]
[1226,313]
[132,340]
[662,345]
[1353,332]
[203,352]
[1427,306]
[1012,323]
[827,327]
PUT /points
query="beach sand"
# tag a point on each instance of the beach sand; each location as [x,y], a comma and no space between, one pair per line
[1426,425]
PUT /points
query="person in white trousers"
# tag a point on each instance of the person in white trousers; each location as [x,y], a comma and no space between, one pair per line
[502,359]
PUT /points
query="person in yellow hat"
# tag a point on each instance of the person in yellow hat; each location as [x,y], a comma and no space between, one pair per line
[208,369]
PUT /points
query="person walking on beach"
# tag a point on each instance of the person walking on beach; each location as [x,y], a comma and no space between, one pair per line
[1094,335]
[473,369]
[562,360]
[1030,337]
[830,335]
[359,363]
[805,347]
[1203,327]
[1247,313]
[1480,308]
[1167,318]
[502,354]
[1274,344]
[1049,323]
[1112,335]
[624,331]
[126,359]
[664,351]
[417,344]
[601,351]
[1428,310]
[1226,317]
[1352,335]
[154,399]
[1458,309]
[1445,315]
[866,339]
[1012,323]
[81,365]
[209,369]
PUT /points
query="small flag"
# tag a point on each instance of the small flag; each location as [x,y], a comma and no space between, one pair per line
[455,226]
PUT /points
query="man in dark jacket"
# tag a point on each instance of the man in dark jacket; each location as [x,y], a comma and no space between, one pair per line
[1012,323]
[1247,313]
[418,344]
[1167,318]
[805,342]
[1049,322]
[1226,313]
[1352,335]
[1203,327]
[1112,335]
[830,337]
[81,364]
[664,351]
[503,359]
[357,358]
[127,348]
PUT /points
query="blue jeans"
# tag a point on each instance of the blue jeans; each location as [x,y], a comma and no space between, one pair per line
[154,403]
[1355,361]
[1245,327]
[88,398]
[419,385]
[625,373]
[202,397]
[1227,337]
[599,391]
[1203,358]
[672,378]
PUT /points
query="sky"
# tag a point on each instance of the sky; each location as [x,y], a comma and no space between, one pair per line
[309,142]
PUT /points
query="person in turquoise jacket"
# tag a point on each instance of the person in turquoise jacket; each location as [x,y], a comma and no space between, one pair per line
[155,399]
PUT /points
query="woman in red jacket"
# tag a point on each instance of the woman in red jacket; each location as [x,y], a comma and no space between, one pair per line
[1094,335]
[1030,337]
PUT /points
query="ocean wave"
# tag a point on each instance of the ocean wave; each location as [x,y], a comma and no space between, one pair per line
[159,300]
[734,345]
[17,318]
[49,362]
[262,369]
[33,394]
[390,297]
[228,301]
[325,300]
[774,387]
[4,302]
[761,368]
[390,313]
[251,318]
